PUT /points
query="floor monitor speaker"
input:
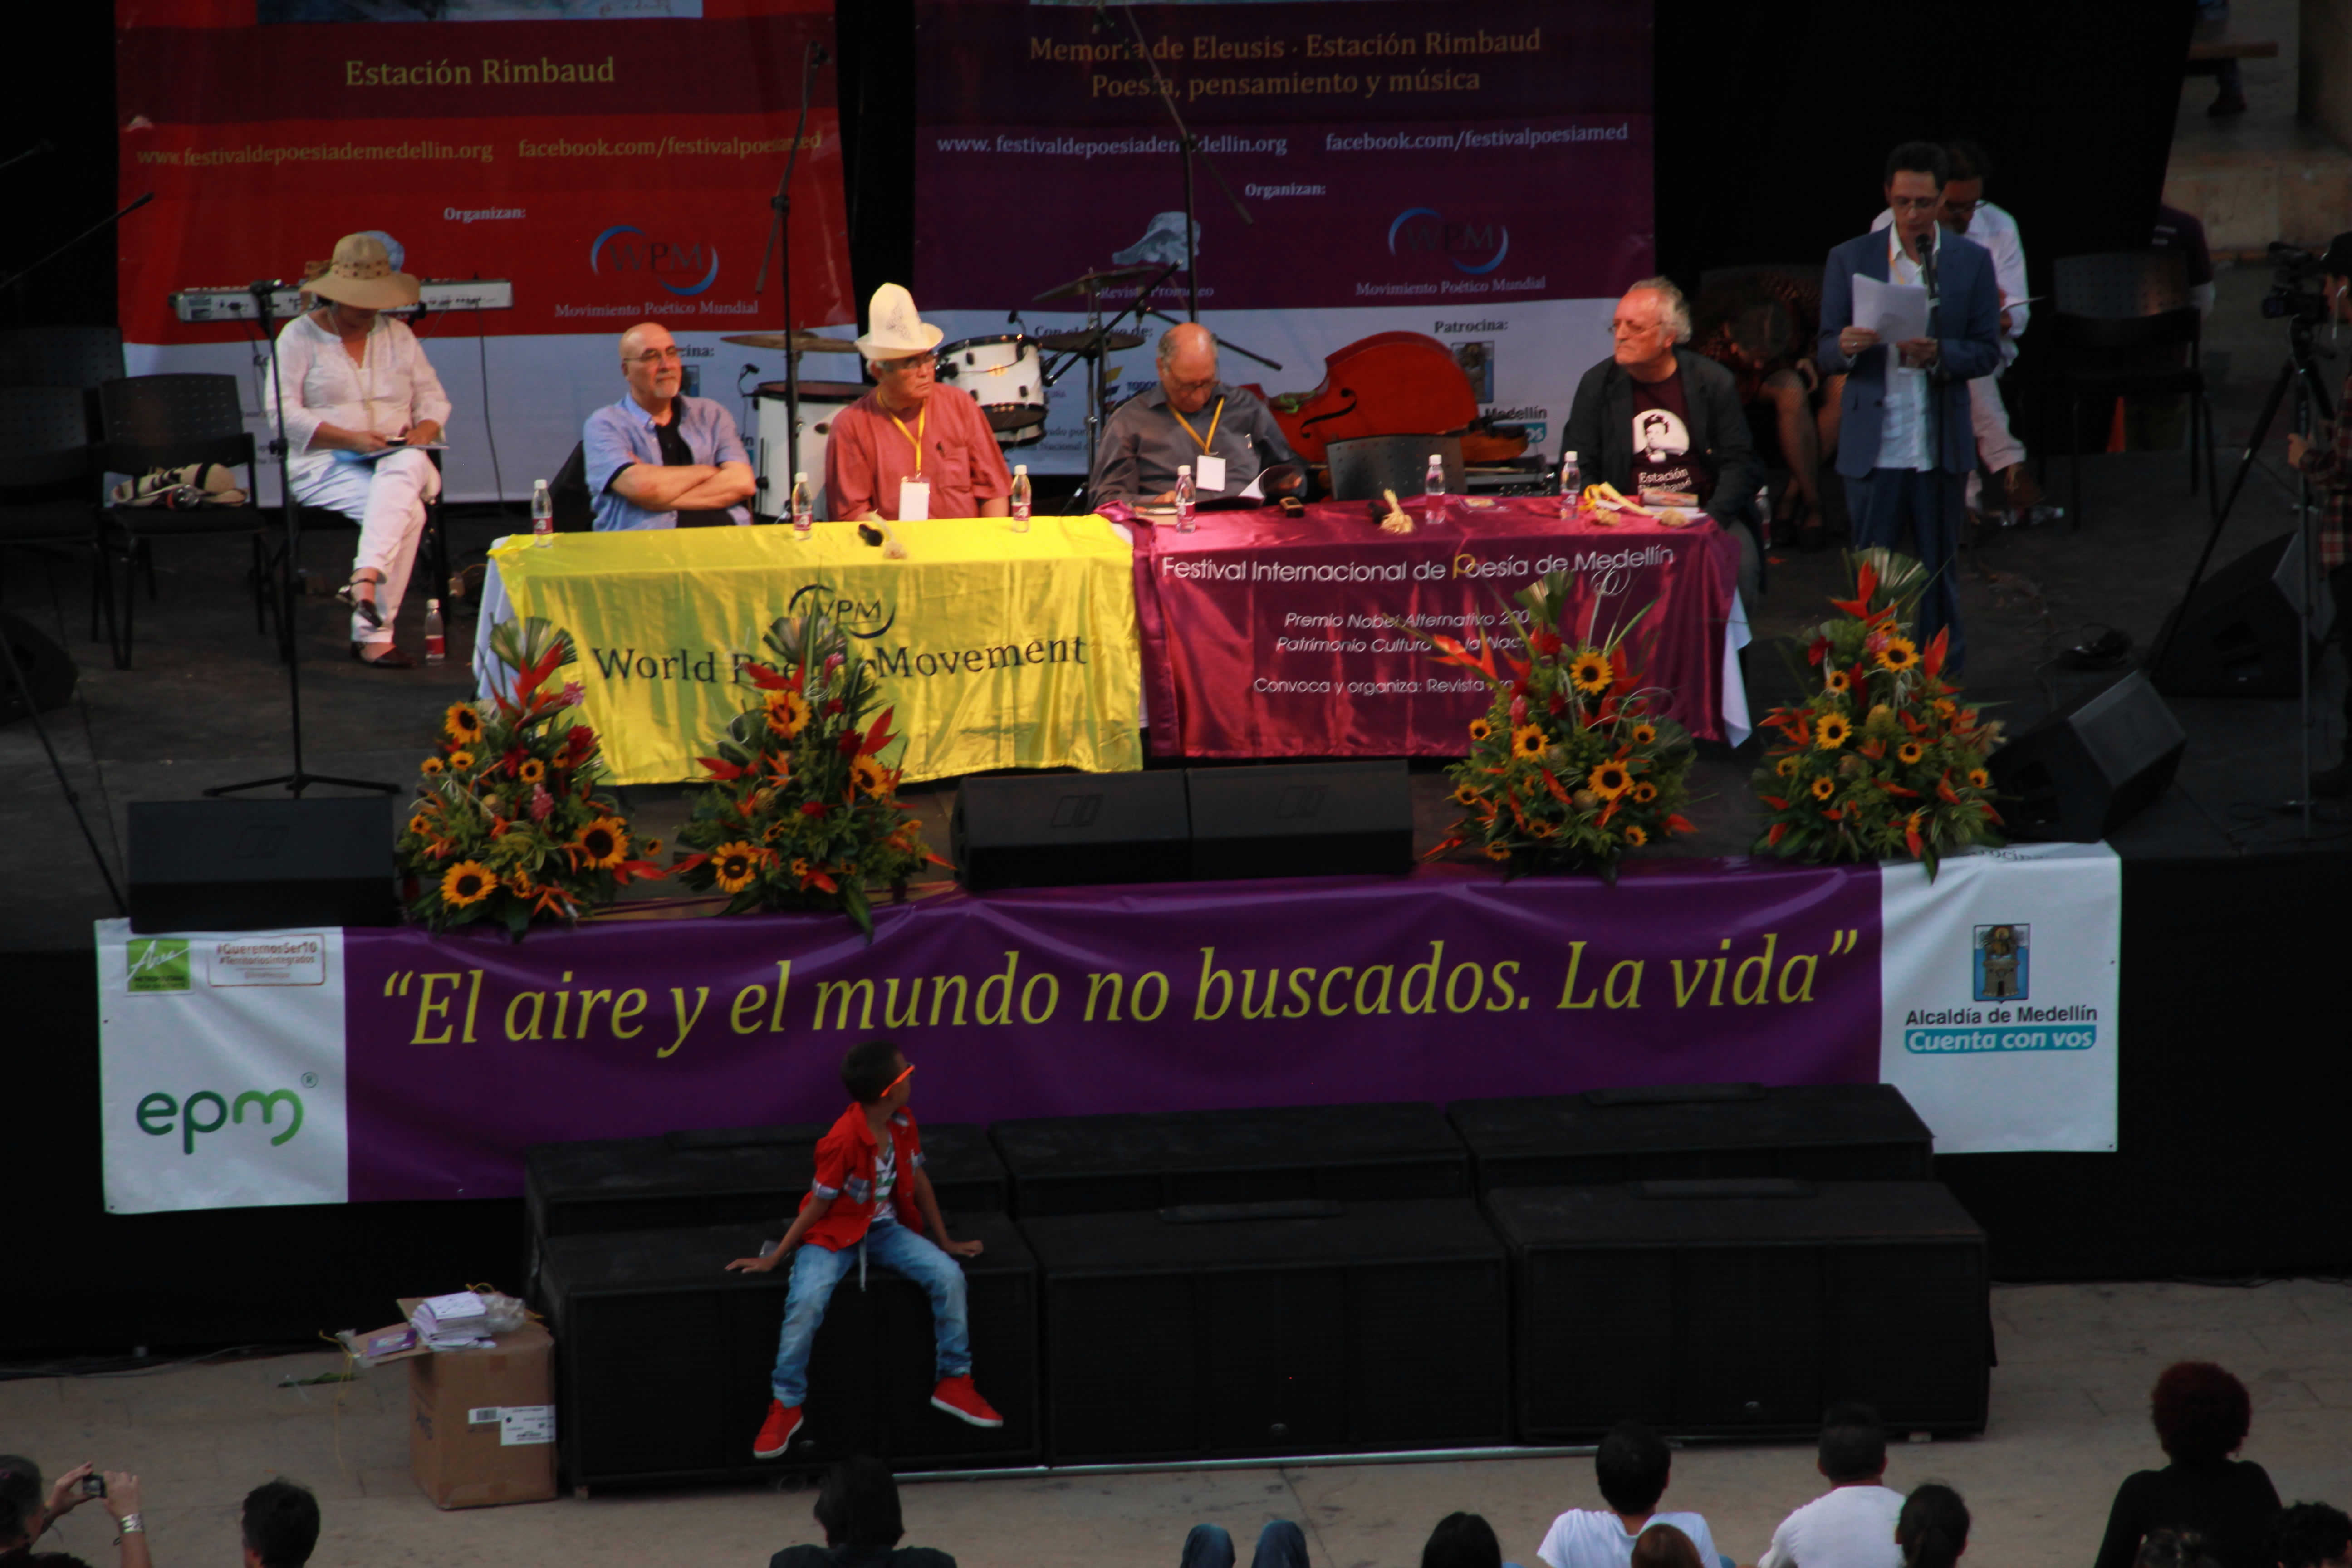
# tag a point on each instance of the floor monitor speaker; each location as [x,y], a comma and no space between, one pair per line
[1300,819]
[2236,636]
[49,671]
[2082,774]
[1056,830]
[257,865]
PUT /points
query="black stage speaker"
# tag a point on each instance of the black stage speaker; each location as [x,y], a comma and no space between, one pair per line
[2236,635]
[1100,1164]
[1743,1307]
[1830,1132]
[2082,774]
[1300,819]
[1059,830]
[49,669]
[1230,1331]
[1364,466]
[256,864]
[664,1357]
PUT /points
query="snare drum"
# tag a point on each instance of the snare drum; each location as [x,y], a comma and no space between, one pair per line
[820,401]
[1006,376]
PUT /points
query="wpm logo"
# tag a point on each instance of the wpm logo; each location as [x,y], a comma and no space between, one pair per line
[626,248]
[158,963]
[1424,231]
[2001,961]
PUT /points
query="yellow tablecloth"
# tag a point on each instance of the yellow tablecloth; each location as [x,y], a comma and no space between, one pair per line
[999,649]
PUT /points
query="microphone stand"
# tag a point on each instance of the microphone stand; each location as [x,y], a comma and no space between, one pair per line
[1190,145]
[301,778]
[117,217]
[779,227]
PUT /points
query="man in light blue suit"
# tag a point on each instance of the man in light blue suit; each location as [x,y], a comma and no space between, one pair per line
[1905,443]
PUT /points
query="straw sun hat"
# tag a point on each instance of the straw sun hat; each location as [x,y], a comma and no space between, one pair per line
[361,275]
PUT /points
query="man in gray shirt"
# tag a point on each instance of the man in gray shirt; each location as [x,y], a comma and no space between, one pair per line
[1191,417]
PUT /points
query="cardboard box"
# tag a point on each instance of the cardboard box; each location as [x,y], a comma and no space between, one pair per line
[481,1424]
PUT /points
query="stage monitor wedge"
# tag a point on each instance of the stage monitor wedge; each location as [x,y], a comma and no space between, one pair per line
[2236,636]
[1067,830]
[262,864]
[1301,819]
[2083,773]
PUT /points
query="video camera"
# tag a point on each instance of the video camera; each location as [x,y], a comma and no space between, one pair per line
[2296,288]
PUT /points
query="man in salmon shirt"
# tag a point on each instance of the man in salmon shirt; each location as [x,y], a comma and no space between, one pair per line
[868,1198]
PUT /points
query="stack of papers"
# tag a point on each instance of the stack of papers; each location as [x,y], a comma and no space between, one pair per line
[458,1320]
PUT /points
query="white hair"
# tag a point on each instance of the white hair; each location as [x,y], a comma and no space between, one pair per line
[1670,301]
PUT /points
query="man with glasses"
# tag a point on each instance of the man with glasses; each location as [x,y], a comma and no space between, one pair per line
[910,448]
[658,460]
[1907,440]
[1225,433]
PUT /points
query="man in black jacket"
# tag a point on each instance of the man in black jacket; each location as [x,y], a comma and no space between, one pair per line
[1656,416]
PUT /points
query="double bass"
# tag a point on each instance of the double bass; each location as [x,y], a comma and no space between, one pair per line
[1391,384]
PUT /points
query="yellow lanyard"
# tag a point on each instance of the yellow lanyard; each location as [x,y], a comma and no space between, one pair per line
[916,440]
[1220,414]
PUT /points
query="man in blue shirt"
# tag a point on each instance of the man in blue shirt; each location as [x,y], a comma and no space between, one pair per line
[659,460]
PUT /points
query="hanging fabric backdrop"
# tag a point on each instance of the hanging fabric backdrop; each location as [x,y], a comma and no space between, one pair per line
[1481,174]
[613,159]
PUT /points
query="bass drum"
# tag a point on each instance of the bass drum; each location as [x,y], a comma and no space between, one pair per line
[820,401]
[1006,376]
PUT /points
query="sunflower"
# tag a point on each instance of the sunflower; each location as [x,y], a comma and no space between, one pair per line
[1465,795]
[531,771]
[467,882]
[800,871]
[420,824]
[1544,829]
[1823,788]
[462,724]
[870,776]
[1786,767]
[1635,837]
[604,843]
[1839,682]
[522,885]
[461,762]
[1609,779]
[788,714]
[1899,655]
[1498,851]
[1588,672]
[736,864]
[1646,792]
[1644,733]
[1909,753]
[1979,779]
[650,846]
[1528,742]
[1831,731]
[1479,730]
[430,767]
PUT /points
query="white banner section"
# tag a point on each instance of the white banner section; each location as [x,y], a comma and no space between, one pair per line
[1998,993]
[221,1069]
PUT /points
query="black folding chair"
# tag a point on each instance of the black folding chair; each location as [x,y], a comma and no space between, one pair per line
[48,482]
[2124,328]
[84,358]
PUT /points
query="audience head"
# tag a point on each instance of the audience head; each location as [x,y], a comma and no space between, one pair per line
[1915,176]
[1651,319]
[2201,1413]
[1933,1527]
[652,364]
[1462,1541]
[1632,1465]
[2312,1535]
[2172,1549]
[1964,183]
[20,1501]
[2336,268]
[857,1507]
[1188,366]
[1664,1546]
[874,1072]
[281,1525]
[1853,1445]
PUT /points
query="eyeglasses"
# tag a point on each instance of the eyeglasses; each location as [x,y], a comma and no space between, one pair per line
[1963,211]
[1186,388]
[656,356]
[1914,204]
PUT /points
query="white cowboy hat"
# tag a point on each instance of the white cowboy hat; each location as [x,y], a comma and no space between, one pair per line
[362,274]
[895,330]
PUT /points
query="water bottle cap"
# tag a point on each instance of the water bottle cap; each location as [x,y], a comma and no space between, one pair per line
[1437,457]
[1020,467]
[538,484]
[432,604]
[800,479]
[1185,470]
[1568,457]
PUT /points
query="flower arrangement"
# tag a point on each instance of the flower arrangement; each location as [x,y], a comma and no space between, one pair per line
[1570,767]
[508,825]
[1882,760]
[800,811]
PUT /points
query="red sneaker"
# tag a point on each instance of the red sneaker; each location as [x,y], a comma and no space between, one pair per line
[777,1431]
[958,1398]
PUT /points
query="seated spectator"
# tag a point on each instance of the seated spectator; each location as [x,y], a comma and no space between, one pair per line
[281,1525]
[1932,1530]
[1761,328]
[1462,1541]
[2312,1535]
[1852,1525]
[1281,1545]
[1664,1546]
[857,1508]
[2201,1415]
[1632,1465]
[26,1516]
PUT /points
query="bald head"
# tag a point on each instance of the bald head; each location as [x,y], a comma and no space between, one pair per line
[650,361]
[1188,366]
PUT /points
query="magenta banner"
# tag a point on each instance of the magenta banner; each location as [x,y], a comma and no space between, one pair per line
[462,1051]
[1267,637]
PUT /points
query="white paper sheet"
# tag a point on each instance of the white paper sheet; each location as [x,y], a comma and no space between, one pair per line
[1897,313]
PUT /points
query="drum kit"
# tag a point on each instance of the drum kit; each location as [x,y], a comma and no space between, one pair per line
[1007,375]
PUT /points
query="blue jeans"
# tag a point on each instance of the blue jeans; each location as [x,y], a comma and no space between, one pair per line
[1929,503]
[817,1271]
[1281,1545]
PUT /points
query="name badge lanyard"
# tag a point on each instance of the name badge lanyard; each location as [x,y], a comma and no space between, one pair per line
[1197,439]
[922,421]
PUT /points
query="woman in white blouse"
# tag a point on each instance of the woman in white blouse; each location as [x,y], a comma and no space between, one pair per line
[360,398]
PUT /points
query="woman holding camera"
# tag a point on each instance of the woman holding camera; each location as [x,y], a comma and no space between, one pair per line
[25,1516]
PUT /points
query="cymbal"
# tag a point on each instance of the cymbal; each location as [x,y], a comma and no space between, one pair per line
[1084,342]
[793,343]
[1093,283]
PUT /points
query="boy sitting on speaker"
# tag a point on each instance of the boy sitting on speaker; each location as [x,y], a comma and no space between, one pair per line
[864,1208]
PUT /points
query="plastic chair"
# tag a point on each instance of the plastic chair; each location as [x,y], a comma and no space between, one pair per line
[2124,328]
[48,482]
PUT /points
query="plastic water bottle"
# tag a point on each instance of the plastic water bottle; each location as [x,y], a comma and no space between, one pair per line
[803,510]
[437,639]
[1184,497]
[1020,503]
[543,513]
[1432,483]
[1571,484]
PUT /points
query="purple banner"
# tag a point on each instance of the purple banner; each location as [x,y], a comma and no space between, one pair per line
[1450,983]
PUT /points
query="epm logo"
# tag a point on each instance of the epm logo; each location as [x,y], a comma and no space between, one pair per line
[624,247]
[160,1115]
[157,963]
[1475,248]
